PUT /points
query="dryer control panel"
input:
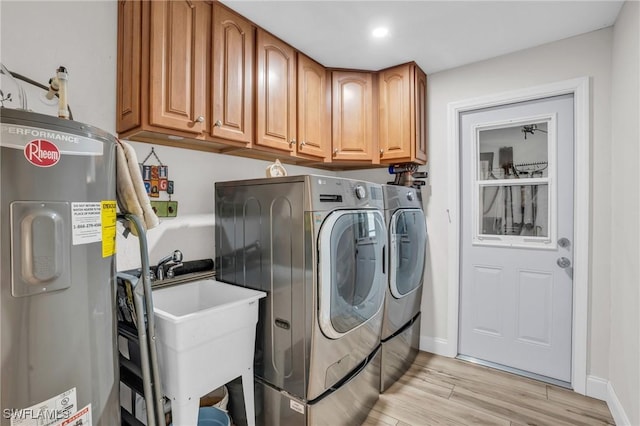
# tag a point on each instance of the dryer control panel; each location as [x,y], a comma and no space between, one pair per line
[329,193]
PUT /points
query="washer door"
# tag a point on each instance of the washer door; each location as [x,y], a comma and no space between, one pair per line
[408,240]
[351,279]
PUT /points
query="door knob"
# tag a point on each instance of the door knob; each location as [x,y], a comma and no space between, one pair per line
[218,123]
[564,242]
[200,119]
[563,262]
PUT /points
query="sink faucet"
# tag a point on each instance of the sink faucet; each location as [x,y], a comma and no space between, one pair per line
[171,270]
[173,258]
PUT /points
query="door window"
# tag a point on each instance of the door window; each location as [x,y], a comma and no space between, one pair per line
[513,182]
[408,242]
[351,281]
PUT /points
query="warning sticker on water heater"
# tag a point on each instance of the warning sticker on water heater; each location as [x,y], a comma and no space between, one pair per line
[108,216]
[49,412]
[81,418]
[86,224]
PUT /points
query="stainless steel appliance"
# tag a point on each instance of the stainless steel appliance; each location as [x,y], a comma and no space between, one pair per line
[407,244]
[57,263]
[316,245]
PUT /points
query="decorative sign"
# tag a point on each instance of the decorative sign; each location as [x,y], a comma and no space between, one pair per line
[156,180]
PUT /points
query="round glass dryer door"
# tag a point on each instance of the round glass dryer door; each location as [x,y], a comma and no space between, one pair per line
[351,271]
[408,238]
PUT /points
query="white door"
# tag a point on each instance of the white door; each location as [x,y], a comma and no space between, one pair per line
[517,233]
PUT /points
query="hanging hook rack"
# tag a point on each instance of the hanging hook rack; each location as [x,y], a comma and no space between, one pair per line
[531,167]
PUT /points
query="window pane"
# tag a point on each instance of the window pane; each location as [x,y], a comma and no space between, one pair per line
[513,152]
[515,210]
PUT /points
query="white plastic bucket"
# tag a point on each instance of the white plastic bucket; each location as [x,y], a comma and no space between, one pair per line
[218,398]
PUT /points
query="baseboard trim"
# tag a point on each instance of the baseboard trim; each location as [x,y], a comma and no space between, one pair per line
[597,388]
[435,345]
[617,410]
[601,389]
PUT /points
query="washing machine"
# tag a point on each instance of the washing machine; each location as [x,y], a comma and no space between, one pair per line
[317,246]
[407,241]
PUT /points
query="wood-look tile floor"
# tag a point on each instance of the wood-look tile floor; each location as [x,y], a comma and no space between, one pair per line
[445,391]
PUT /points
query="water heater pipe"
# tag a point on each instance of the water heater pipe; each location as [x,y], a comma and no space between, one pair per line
[58,86]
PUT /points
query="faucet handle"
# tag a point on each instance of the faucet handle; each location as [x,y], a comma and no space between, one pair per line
[171,270]
[173,258]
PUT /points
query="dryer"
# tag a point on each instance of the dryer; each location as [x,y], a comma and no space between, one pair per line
[407,233]
[317,246]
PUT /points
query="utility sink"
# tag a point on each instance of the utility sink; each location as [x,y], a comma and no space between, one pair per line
[205,337]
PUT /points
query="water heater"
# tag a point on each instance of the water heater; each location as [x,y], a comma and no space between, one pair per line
[57,265]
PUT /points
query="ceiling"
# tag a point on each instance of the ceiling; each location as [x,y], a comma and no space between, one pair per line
[438,35]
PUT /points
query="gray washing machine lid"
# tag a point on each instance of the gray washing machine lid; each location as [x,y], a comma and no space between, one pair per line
[352,278]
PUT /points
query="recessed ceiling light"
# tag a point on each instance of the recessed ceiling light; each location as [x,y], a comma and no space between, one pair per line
[380,32]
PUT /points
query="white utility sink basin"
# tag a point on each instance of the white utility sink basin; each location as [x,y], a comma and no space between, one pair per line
[205,338]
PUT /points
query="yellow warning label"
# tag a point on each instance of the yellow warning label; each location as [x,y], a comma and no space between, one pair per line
[108,217]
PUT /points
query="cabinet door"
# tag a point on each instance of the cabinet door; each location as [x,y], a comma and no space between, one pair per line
[396,115]
[232,79]
[276,93]
[179,41]
[129,64]
[402,115]
[421,116]
[352,115]
[314,109]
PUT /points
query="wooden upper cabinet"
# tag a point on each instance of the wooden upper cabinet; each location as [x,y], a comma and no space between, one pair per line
[402,115]
[275,93]
[232,76]
[421,154]
[178,64]
[352,114]
[195,74]
[129,65]
[314,110]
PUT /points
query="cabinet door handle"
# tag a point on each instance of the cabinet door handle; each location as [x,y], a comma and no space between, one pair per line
[382,151]
[335,151]
[292,142]
[218,123]
[200,119]
[303,143]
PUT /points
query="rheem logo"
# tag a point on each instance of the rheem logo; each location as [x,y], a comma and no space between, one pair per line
[42,153]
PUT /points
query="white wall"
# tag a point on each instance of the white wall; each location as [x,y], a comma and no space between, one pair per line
[37,37]
[624,353]
[85,35]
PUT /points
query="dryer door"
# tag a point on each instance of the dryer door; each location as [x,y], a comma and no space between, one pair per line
[351,277]
[408,240]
